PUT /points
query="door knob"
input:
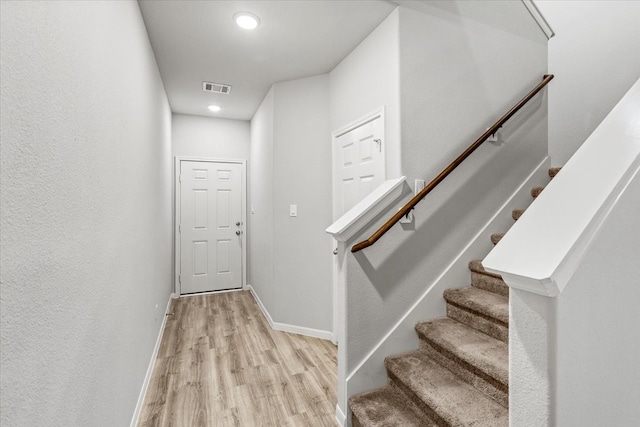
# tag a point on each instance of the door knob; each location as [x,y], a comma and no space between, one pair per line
[238,223]
[238,232]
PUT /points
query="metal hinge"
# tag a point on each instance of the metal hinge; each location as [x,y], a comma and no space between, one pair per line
[180,178]
[179,279]
[179,228]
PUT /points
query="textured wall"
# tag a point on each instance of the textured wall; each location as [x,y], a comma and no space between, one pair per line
[597,340]
[210,137]
[595,56]
[86,211]
[574,358]
[460,74]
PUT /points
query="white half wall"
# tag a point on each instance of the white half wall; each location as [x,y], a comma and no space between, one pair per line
[86,203]
[595,56]
[571,264]
[597,318]
[574,358]
[210,137]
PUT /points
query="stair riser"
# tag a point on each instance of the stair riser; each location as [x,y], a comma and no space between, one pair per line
[490,386]
[415,400]
[492,327]
[489,283]
[427,422]
[386,407]
[476,267]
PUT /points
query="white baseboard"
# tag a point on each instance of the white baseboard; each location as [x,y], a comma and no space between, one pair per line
[341,418]
[199,294]
[284,327]
[152,363]
[370,372]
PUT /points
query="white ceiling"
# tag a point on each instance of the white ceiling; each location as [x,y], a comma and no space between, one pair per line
[196,41]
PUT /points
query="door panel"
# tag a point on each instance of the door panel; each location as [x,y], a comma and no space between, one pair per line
[360,164]
[210,229]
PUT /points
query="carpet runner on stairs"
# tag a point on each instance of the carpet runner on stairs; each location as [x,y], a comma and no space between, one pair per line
[459,376]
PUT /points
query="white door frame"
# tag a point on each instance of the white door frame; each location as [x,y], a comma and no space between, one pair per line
[337,277]
[176,207]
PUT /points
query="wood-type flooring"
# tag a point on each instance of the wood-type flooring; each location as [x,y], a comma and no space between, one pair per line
[221,364]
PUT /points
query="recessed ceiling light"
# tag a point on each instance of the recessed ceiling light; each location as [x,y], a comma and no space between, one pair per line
[246,20]
[214,108]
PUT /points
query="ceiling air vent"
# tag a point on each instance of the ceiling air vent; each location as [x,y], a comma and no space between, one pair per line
[216,87]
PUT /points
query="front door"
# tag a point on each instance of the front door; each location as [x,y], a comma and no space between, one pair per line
[210,226]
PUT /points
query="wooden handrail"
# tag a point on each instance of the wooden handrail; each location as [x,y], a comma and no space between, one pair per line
[426,190]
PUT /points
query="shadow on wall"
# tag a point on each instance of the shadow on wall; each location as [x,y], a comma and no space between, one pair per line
[442,210]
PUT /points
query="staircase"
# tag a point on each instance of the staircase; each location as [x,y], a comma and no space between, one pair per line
[459,376]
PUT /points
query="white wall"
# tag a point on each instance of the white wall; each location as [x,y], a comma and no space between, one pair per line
[210,137]
[595,56]
[303,292]
[597,316]
[260,232]
[458,75]
[86,211]
[290,257]
[368,78]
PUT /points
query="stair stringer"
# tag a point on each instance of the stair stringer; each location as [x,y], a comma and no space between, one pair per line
[370,373]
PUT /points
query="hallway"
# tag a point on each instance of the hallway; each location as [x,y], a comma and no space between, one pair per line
[221,364]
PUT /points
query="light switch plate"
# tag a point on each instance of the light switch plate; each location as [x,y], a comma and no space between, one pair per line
[293,210]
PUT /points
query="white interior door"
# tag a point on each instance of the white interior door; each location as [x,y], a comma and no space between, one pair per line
[359,162]
[210,226]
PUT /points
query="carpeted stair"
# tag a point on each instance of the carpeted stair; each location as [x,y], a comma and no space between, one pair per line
[459,376]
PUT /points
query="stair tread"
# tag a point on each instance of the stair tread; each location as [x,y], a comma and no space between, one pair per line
[455,401]
[386,407]
[477,267]
[481,301]
[475,348]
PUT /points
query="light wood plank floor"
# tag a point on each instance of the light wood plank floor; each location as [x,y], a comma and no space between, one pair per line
[221,364]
